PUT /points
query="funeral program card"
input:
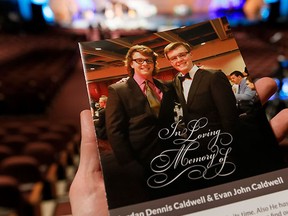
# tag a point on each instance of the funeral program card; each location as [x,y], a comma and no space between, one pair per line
[180,127]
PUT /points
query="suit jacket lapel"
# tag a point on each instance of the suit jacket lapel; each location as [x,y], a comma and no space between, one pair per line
[137,94]
[163,88]
[194,86]
[179,89]
[134,87]
[136,91]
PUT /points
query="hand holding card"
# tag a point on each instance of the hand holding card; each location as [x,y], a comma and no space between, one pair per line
[201,144]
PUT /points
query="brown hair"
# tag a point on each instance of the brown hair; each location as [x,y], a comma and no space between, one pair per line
[144,50]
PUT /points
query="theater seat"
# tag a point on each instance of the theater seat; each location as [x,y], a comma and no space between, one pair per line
[45,155]
[24,168]
[15,142]
[26,171]
[12,201]
[5,152]
[59,143]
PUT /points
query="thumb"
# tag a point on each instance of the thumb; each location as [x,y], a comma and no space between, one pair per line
[89,156]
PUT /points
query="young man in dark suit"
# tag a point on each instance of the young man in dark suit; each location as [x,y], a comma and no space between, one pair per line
[132,122]
[205,92]
[209,115]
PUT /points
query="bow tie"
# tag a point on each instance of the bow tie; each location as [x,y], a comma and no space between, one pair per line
[186,76]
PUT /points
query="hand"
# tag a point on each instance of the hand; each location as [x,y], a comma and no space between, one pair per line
[266,87]
[87,193]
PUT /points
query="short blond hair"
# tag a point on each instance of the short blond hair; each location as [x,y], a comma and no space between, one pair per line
[174,45]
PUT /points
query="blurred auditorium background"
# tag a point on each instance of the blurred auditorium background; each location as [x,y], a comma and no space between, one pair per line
[42,87]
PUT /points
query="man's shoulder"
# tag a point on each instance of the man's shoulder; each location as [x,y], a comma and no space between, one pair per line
[163,83]
[122,84]
[214,75]
[212,71]
[101,111]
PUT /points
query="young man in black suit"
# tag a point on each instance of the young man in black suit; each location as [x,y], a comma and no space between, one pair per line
[133,124]
[205,93]
[133,121]
[209,115]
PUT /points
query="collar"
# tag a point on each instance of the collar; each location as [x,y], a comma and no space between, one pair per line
[191,72]
[140,79]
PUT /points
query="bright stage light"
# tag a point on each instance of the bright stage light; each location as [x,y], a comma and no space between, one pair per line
[39,2]
[47,14]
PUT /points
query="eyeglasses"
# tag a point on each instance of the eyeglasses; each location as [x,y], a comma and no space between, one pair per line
[180,56]
[141,61]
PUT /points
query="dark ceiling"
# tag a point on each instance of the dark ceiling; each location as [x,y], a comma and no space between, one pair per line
[111,52]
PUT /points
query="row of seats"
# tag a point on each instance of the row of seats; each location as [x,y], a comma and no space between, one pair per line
[33,153]
[33,157]
[30,89]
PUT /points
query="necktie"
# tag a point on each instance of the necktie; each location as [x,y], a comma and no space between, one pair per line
[153,100]
[186,76]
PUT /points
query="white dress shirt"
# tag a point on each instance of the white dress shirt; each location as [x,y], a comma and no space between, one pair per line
[187,82]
